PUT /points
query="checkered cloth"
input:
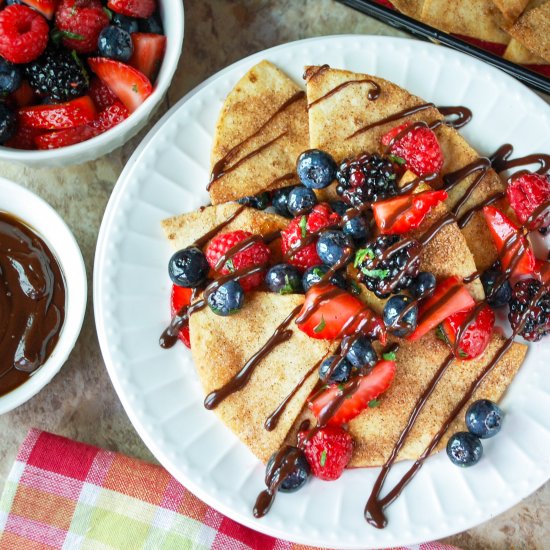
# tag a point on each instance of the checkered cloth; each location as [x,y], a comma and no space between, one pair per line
[64,494]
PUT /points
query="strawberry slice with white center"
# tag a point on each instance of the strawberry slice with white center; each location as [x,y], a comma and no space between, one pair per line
[366,388]
[45,7]
[133,8]
[180,298]
[59,116]
[449,297]
[510,243]
[131,86]
[148,53]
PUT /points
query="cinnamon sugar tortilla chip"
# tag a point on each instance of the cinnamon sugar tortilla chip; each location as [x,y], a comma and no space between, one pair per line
[336,118]
[376,430]
[511,9]
[222,345]
[412,8]
[518,53]
[532,30]
[185,229]
[475,18]
[259,145]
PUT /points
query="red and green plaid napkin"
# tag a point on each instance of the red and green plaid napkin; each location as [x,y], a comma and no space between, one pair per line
[64,494]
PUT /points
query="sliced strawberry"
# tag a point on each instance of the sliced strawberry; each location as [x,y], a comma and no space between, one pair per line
[406,212]
[131,86]
[24,138]
[369,387]
[449,297]
[542,271]
[475,339]
[60,116]
[326,318]
[100,94]
[64,138]
[503,231]
[133,8]
[148,53]
[23,96]
[110,117]
[45,7]
[179,298]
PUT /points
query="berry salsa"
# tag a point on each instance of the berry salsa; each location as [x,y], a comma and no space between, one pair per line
[73,69]
[372,237]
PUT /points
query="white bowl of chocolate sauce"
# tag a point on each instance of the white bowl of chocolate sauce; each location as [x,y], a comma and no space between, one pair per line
[43,294]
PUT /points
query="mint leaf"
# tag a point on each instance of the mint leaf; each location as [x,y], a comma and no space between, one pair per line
[229,265]
[303,226]
[361,254]
[287,289]
[109,13]
[374,403]
[322,324]
[390,356]
[323,460]
[397,160]
[376,273]
[71,35]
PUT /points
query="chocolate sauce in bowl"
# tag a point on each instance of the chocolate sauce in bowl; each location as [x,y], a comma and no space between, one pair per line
[32,302]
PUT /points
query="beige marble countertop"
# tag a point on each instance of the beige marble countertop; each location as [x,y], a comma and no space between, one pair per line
[80,402]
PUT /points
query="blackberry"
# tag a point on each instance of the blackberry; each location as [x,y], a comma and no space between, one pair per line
[59,74]
[376,272]
[367,178]
[537,324]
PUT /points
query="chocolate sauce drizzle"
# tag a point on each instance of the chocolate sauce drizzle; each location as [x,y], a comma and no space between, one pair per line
[373,95]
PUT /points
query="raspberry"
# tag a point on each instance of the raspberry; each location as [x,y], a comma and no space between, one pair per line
[526,194]
[23,34]
[320,217]
[537,324]
[80,22]
[101,94]
[419,149]
[328,452]
[257,254]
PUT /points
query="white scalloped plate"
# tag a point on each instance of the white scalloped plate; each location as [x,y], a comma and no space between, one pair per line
[160,390]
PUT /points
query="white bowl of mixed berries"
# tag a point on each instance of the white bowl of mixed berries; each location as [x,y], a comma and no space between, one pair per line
[78,78]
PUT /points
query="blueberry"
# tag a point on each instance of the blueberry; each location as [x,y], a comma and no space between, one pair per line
[341,370]
[340,207]
[8,123]
[422,284]
[10,77]
[484,418]
[188,267]
[129,24]
[301,200]
[152,25]
[226,299]
[259,202]
[502,295]
[333,246]
[280,201]
[298,477]
[284,279]
[361,354]
[357,228]
[115,43]
[464,449]
[314,274]
[397,325]
[316,169]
